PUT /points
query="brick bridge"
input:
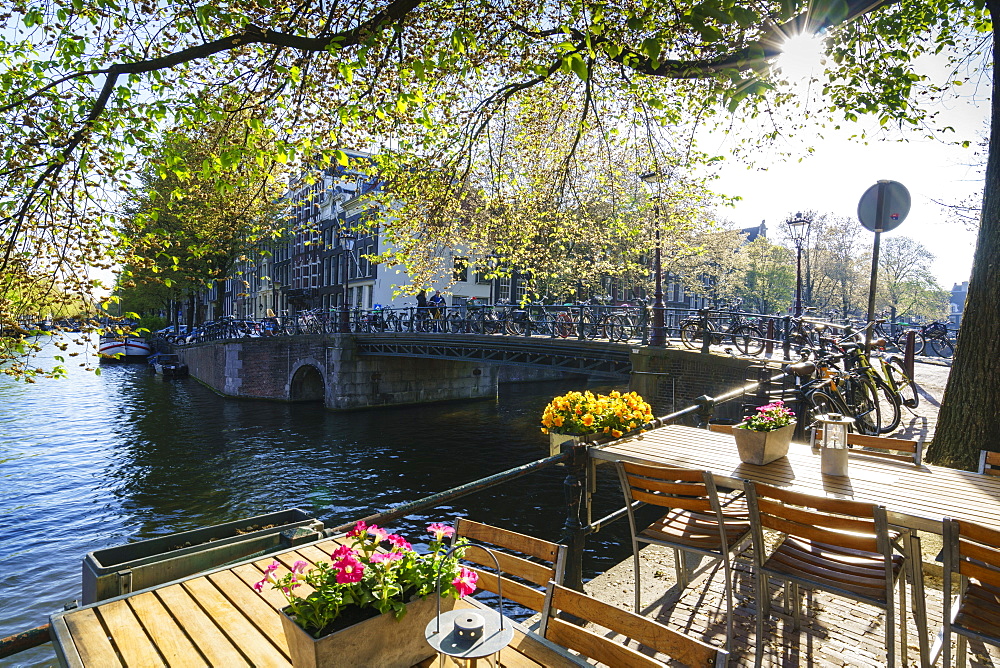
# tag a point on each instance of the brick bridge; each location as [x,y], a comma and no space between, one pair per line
[349,371]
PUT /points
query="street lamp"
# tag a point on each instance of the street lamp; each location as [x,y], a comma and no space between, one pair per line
[347,239]
[798,227]
[657,335]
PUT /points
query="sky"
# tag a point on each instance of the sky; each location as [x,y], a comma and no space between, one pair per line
[834,177]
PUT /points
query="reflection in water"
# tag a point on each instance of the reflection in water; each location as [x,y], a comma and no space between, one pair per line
[93,461]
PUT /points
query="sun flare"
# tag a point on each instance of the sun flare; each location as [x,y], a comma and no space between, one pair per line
[801,56]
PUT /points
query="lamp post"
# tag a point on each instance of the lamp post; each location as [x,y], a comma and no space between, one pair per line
[347,239]
[657,335]
[797,227]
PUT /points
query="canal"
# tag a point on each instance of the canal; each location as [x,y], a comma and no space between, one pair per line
[92,461]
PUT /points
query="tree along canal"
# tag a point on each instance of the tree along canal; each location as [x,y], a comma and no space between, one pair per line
[90,461]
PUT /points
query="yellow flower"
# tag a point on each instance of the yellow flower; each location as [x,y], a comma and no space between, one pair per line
[615,394]
[588,420]
[616,433]
[544,430]
[558,421]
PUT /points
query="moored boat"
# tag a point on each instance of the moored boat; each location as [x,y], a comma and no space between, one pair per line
[169,365]
[124,349]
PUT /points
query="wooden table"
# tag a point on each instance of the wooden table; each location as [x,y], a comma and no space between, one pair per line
[218,619]
[915,496]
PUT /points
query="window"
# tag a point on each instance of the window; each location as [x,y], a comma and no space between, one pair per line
[503,289]
[460,273]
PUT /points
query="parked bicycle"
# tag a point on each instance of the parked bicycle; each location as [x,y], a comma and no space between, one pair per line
[746,336]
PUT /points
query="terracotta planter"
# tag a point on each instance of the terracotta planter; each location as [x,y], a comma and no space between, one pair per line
[763,447]
[379,642]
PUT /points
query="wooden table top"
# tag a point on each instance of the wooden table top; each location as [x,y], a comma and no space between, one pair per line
[915,496]
[218,619]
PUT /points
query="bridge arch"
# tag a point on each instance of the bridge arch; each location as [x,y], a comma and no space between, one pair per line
[307,382]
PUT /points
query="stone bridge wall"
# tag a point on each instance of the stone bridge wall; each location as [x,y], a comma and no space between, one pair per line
[672,378]
[294,368]
[286,368]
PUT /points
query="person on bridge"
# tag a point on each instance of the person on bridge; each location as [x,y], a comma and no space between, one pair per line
[437,305]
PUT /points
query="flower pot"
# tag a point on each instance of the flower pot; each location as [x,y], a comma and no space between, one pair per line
[379,642]
[559,442]
[763,447]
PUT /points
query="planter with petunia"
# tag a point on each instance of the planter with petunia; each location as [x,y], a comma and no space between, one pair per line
[765,436]
[369,604]
[583,416]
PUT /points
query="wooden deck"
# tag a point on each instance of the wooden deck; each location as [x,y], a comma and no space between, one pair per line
[218,619]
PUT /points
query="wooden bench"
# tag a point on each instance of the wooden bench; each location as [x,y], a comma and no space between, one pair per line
[879,446]
[989,462]
[536,562]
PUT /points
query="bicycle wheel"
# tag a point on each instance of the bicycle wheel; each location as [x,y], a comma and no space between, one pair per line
[918,342]
[942,347]
[512,326]
[862,405]
[889,403]
[617,327]
[748,340]
[819,402]
[691,335]
[905,386]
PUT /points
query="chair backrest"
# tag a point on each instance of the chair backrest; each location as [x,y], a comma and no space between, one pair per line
[668,486]
[879,446]
[549,562]
[721,428]
[989,462]
[972,550]
[678,646]
[852,524]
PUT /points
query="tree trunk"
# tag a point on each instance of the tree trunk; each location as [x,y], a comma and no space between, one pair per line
[969,420]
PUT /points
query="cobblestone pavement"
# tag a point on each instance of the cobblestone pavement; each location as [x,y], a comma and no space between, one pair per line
[835,631]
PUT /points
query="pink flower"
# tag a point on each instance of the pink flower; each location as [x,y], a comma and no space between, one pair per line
[349,570]
[386,556]
[399,542]
[299,566]
[440,530]
[259,586]
[465,583]
[359,530]
[342,552]
[269,572]
[378,533]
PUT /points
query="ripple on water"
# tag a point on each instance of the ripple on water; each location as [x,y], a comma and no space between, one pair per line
[91,461]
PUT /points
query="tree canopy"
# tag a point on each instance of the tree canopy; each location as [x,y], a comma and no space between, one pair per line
[434,86]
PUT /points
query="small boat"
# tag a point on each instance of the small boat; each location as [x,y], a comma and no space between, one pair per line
[169,365]
[124,349]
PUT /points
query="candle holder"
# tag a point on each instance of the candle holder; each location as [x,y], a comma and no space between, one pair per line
[469,633]
[833,445]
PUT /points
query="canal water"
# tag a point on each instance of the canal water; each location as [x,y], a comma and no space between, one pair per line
[91,461]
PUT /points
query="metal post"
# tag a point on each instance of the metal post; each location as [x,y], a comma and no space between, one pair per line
[769,344]
[574,535]
[706,408]
[706,333]
[879,205]
[657,337]
[787,345]
[345,316]
[798,278]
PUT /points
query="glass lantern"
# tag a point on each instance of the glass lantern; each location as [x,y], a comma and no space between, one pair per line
[833,445]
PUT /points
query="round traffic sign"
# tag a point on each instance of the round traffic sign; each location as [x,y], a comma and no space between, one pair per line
[895,206]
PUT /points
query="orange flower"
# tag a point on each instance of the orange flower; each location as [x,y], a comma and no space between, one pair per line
[588,420]
[616,433]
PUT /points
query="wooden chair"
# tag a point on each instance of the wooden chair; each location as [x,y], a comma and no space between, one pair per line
[549,562]
[698,521]
[989,462]
[973,553]
[679,647]
[836,545]
[878,446]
